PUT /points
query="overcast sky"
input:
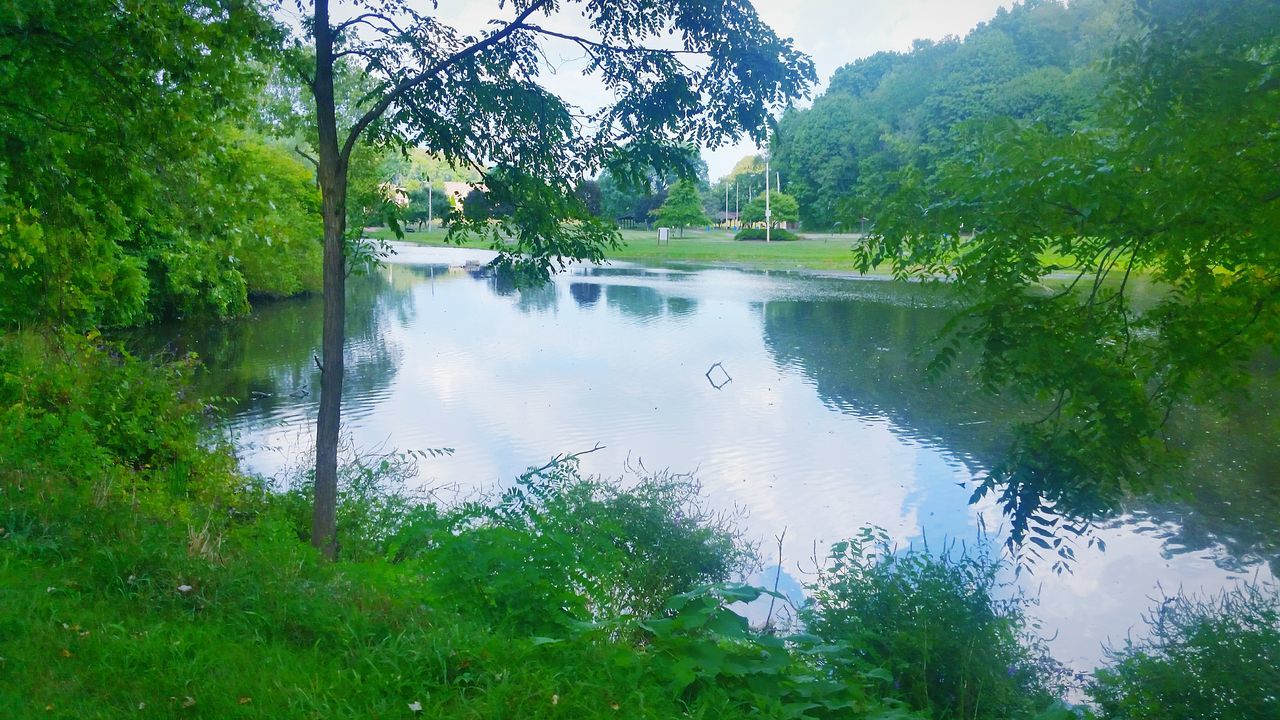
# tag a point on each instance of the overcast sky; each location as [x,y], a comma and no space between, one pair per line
[833,32]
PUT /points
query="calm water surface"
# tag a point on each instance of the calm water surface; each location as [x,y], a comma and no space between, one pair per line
[827,424]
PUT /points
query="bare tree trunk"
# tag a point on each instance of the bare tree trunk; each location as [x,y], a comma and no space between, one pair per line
[332,174]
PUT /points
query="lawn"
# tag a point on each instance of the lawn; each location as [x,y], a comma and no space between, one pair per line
[710,247]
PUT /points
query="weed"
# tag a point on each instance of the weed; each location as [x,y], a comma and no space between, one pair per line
[1215,657]
[933,620]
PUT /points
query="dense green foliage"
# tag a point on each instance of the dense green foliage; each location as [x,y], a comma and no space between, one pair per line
[123,199]
[935,623]
[1037,62]
[760,234]
[1173,180]
[782,209]
[635,196]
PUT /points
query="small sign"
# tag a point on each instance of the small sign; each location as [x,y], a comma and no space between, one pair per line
[664,235]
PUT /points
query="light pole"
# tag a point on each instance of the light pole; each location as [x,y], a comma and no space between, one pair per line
[768,212]
[726,204]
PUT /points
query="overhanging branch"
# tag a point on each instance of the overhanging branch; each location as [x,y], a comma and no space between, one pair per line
[589,45]
[409,83]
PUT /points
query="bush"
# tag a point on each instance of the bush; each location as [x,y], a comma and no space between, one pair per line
[558,547]
[931,621]
[758,234]
[83,423]
[1217,658]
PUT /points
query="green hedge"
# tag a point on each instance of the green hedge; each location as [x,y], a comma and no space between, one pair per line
[758,234]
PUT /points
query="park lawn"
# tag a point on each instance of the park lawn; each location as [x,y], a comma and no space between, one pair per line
[821,252]
[709,247]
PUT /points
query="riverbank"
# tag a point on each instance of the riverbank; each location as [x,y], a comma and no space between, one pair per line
[143,575]
[819,253]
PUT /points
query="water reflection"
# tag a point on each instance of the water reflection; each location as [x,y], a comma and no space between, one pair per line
[263,367]
[585,294]
[638,301]
[828,425]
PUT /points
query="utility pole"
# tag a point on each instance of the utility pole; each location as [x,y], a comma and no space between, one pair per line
[737,210]
[429,205]
[768,213]
[726,204]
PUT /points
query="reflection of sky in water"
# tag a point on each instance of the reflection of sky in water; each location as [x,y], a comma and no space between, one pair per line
[617,357]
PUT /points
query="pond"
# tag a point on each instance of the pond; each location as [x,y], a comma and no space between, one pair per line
[796,398]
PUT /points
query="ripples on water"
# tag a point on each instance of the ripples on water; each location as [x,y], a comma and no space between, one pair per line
[826,426]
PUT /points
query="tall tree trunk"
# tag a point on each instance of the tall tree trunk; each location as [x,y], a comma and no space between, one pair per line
[332,174]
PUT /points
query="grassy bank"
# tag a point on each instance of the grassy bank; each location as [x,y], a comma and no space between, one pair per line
[823,252]
[142,575]
[817,252]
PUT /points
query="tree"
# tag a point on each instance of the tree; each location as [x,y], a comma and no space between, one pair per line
[783,209]
[1178,183]
[475,99]
[1037,62]
[417,212]
[117,123]
[682,208]
[588,191]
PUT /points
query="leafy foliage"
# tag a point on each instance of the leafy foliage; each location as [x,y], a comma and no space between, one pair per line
[782,208]
[116,173]
[781,234]
[709,656]
[1215,658]
[935,623]
[557,548]
[1034,63]
[1173,184]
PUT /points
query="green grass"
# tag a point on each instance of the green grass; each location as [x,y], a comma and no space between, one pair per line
[818,252]
[822,252]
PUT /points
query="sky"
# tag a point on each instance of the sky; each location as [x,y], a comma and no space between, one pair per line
[832,32]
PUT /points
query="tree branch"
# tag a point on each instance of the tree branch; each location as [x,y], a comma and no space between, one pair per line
[364,19]
[298,149]
[589,45]
[407,84]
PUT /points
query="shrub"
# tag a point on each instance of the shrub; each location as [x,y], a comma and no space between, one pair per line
[558,547]
[954,650]
[759,234]
[1216,658]
[83,420]
[709,656]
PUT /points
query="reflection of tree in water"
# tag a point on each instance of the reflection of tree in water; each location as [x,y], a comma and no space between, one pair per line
[638,301]
[1227,494]
[585,294]
[869,358]
[541,298]
[681,307]
[264,362]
